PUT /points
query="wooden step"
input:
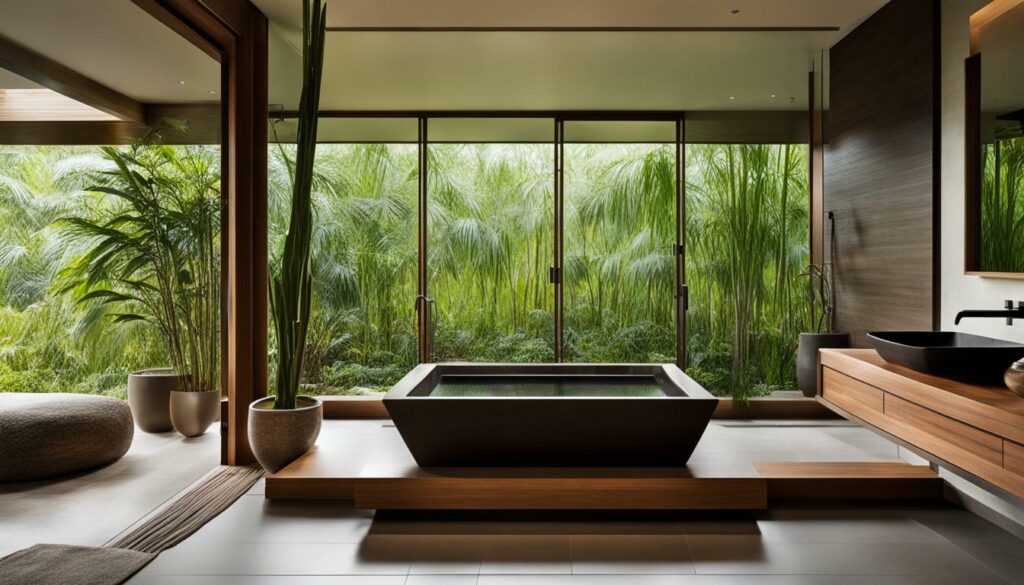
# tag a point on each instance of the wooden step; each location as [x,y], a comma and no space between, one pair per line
[849,481]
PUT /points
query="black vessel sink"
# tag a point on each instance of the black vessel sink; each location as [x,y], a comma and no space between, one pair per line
[946,353]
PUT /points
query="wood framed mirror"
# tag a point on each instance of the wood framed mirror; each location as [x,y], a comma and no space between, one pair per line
[994,166]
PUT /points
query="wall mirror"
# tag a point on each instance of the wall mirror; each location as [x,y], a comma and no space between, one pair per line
[995,142]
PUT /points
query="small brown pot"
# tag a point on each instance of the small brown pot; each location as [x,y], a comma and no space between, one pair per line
[193,412]
[149,397]
[278,437]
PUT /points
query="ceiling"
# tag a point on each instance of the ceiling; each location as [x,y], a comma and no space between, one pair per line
[844,14]
[582,71]
[10,80]
[115,43]
[551,70]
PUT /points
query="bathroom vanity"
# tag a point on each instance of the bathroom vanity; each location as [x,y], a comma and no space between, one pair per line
[978,429]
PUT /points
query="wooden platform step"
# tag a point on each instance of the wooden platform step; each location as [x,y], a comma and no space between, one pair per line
[849,481]
[368,463]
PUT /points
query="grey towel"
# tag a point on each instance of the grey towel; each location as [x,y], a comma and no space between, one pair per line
[61,564]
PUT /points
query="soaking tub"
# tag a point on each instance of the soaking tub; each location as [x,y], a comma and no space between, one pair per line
[549,414]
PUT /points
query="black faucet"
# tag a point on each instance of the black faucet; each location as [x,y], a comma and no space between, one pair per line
[1010,313]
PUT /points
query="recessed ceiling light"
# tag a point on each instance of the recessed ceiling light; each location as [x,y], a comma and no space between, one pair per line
[732,97]
[773,96]
[211,92]
[182,82]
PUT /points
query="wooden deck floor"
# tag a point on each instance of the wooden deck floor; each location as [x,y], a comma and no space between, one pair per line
[734,467]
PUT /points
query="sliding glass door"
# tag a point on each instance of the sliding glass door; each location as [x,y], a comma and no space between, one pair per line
[620,225]
[489,245]
[550,239]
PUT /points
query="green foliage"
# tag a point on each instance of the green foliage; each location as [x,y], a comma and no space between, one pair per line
[46,343]
[490,237]
[360,379]
[151,251]
[746,243]
[1002,206]
[291,285]
[490,245]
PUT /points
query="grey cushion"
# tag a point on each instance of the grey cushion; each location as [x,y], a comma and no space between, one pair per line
[47,435]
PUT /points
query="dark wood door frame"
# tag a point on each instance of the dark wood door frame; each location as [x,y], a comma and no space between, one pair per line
[424,305]
[557,269]
[235,33]
[681,291]
[682,288]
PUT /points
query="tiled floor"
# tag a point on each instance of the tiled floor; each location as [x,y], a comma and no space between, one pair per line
[326,543]
[263,543]
[92,508]
[313,543]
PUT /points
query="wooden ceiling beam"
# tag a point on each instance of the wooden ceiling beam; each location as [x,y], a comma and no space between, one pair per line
[64,80]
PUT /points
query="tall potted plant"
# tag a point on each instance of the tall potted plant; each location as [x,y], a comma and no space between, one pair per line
[154,258]
[284,426]
[821,289]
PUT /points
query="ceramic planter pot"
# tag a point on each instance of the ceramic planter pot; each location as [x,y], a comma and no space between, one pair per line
[278,437]
[149,397]
[193,412]
[1014,378]
[807,358]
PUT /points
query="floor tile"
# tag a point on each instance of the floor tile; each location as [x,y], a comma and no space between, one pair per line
[1006,558]
[734,580]
[522,554]
[288,558]
[288,522]
[146,579]
[447,554]
[441,580]
[631,554]
[843,525]
[757,556]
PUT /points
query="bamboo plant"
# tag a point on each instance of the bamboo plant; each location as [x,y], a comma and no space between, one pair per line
[154,252]
[291,283]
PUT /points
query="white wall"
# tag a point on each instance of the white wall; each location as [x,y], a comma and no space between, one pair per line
[960,291]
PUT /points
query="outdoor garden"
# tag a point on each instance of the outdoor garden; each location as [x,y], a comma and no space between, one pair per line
[490,229]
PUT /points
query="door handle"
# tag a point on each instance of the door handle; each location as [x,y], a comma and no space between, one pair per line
[426,304]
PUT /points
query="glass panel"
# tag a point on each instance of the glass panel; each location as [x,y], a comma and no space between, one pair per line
[490,232]
[548,386]
[620,273]
[362,335]
[493,130]
[620,132]
[746,246]
[351,130]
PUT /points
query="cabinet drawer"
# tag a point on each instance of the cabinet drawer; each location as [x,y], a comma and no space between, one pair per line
[943,436]
[855,397]
[1013,457]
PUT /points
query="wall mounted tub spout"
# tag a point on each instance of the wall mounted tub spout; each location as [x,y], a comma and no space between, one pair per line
[1009,313]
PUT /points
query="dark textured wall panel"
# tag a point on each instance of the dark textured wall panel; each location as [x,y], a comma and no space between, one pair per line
[880,170]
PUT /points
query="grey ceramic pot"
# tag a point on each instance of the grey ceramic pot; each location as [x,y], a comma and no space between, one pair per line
[193,412]
[278,437]
[149,397]
[807,358]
